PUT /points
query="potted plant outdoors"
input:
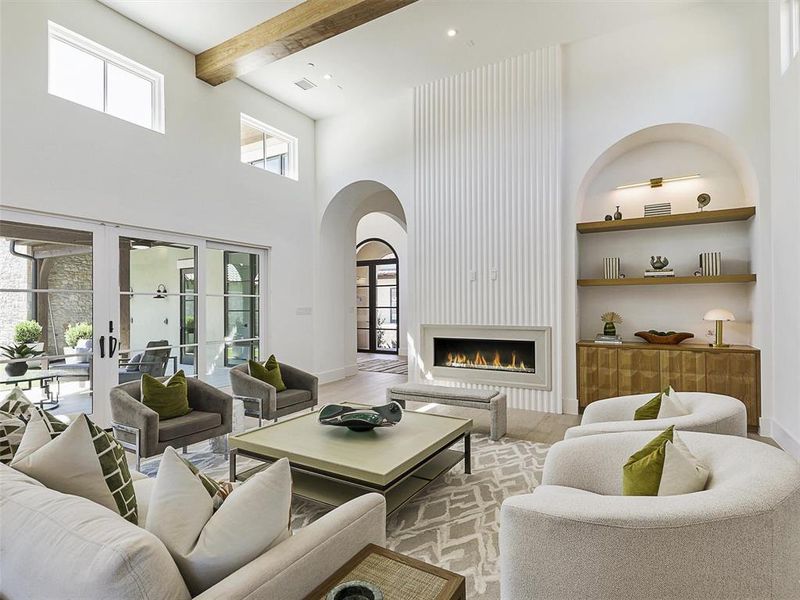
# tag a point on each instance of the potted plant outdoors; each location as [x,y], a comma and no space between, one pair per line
[610,321]
[29,332]
[12,352]
[73,336]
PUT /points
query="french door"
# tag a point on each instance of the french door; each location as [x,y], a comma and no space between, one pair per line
[114,302]
[377,318]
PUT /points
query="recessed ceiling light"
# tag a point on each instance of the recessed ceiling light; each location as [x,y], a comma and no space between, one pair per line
[311,64]
[327,76]
[452,32]
[340,87]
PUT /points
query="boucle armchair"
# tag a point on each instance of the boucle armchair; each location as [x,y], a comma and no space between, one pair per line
[575,536]
[139,430]
[711,413]
[263,401]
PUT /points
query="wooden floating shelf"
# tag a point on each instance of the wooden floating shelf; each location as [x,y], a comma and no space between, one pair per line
[743,278]
[697,218]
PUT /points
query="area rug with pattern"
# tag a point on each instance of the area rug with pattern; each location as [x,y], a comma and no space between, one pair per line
[384,365]
[454,523]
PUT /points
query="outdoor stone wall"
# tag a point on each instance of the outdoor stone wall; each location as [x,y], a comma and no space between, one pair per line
[66,272]
[14,306]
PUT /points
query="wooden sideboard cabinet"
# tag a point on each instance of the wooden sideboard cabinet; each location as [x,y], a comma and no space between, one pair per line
[605,371]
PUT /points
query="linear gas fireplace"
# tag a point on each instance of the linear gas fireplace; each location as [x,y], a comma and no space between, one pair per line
[501,355]
[517,356]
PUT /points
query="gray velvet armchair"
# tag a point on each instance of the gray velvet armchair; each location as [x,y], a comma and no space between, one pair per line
[263,401]
[139,430]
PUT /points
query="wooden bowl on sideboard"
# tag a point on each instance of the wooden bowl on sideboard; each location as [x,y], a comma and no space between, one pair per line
[666,339]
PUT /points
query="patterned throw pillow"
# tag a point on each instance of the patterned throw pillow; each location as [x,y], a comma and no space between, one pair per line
[79,459]
[16,403]
[218,490]
[11,430]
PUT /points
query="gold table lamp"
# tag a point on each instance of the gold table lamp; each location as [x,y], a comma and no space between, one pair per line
[719,315]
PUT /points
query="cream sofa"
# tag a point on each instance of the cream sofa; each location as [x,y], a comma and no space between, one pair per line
[711,413]
[576,537]
[54,545]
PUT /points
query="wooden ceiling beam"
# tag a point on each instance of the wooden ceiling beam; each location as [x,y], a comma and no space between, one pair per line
[301,26]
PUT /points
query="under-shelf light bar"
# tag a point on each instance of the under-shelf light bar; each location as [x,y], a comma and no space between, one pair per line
[657,182]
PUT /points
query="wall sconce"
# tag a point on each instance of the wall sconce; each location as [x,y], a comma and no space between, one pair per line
[161,291]
[657,181]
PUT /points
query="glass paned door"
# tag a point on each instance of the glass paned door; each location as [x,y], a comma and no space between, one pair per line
[233,309]
[47,302]
[376,306]
[157,302]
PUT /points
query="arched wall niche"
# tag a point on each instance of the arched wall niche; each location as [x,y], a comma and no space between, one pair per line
[667,150]
[335,317]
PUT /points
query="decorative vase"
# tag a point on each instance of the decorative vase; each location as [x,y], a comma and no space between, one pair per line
[609,329]
[608,217]
[16,369]
[617,215]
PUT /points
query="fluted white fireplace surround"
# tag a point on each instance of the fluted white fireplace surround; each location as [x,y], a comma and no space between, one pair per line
[541,379]
[485,242]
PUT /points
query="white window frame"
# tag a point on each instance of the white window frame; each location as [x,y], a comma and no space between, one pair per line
[156,79]
[291,141]
[789,32]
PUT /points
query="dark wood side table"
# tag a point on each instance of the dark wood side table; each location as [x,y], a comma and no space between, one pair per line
[398,577]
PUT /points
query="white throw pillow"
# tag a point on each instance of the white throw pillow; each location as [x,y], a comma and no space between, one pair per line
[683,473]
[80,459]
[209,545]
[671,405]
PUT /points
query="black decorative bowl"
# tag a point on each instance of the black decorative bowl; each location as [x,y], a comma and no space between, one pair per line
[355,590]
[361,419]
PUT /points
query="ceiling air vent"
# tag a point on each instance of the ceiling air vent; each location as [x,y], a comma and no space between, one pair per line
[305,84]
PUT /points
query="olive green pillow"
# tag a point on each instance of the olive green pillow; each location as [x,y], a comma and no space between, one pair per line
[650,409]
[641,475]
[269,372]
[169,399]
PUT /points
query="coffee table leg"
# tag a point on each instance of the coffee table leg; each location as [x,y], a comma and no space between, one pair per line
[467,454]
[232,464]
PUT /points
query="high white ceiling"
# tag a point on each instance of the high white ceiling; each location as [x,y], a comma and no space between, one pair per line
[394,53]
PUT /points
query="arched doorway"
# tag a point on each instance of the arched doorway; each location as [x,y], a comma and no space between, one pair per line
[377,297]
[335,318]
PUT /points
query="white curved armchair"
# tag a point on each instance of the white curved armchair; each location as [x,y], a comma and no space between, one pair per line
[711,413]
[576,537]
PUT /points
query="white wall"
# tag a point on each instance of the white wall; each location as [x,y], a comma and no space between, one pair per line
[785,238]
[383,226]
[613,85]
[62,158]
[649,74]
[364,164]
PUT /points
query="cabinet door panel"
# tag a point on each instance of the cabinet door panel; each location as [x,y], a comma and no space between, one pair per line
[735,374]
[587,376]
[607,373]
[639,371]
[684,370]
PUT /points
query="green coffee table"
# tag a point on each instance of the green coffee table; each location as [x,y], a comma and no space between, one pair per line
[333,465]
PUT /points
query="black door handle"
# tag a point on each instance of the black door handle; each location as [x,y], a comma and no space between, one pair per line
[102,346]
[112,346]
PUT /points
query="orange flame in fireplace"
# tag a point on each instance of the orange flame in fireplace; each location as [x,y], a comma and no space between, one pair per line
[479,360]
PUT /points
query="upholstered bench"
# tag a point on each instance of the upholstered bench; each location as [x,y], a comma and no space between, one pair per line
[491,400]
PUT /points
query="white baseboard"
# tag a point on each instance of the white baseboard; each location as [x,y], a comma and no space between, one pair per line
[773,429]
[337,374]
[569,406]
